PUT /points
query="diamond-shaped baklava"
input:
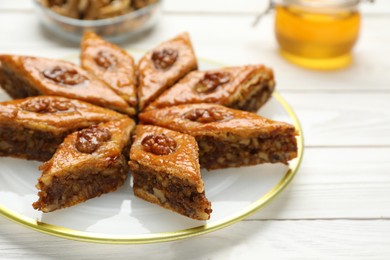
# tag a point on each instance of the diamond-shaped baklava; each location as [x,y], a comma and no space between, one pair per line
[89,163]
[245,88]
[162,66]
[111,64]
[165,170]
[228,137]
[32,128]
[24,76]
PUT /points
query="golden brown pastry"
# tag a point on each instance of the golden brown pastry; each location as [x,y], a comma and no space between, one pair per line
[228,137]
[165,170]
[111,64]
[87,164]
[34,127]
[245,88]
[161,67]
[24,76]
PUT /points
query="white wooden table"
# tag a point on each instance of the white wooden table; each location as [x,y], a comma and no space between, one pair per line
[337,206]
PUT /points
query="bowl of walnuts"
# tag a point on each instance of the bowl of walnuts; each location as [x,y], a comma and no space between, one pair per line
[116,20]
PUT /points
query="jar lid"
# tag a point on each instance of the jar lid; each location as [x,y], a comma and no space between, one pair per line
[321,3]
[330,4]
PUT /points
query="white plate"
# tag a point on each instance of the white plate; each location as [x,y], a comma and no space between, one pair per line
[120,217]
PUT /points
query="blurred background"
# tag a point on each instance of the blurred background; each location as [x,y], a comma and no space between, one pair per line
[338,204]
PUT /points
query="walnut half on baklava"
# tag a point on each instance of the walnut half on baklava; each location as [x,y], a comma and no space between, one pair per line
[165,170]
[89,163]
[228,137]
[33,128]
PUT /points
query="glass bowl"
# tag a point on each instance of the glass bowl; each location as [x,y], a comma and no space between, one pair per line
[116,29]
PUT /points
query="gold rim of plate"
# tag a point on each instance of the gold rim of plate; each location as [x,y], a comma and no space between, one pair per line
[179,234]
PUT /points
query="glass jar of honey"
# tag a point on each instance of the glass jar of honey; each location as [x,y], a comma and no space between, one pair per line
[317,34]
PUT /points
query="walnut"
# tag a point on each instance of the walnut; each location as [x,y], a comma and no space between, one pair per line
[164,59]
[45,105]
[64,76]
[105,59]
[90,139]
[159,144]
[211,81]
[204,115]
[141,3]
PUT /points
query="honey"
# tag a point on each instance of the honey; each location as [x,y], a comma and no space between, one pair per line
[316,38]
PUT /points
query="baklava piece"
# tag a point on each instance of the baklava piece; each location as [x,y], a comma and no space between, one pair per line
[163,66]
[245,88]
[34,127]
[87,164]
[165,169]
[24,76]
[111,64]
[228,137]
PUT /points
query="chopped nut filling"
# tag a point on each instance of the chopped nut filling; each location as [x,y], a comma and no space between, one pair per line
[64,76]
[173,193]
[66,191]
[159,144]
[28,143]
[211,81]
[258,94]
[105,59]
[164,59]
[15,85]
[202,115]
[217,154]
[90,139]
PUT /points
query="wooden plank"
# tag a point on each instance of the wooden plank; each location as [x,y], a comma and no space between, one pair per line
[215,7]
[249,6]
[249,45]
[335,183]
[245,240]
[343,119]
[37,37]
[16,5]
[340,183]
